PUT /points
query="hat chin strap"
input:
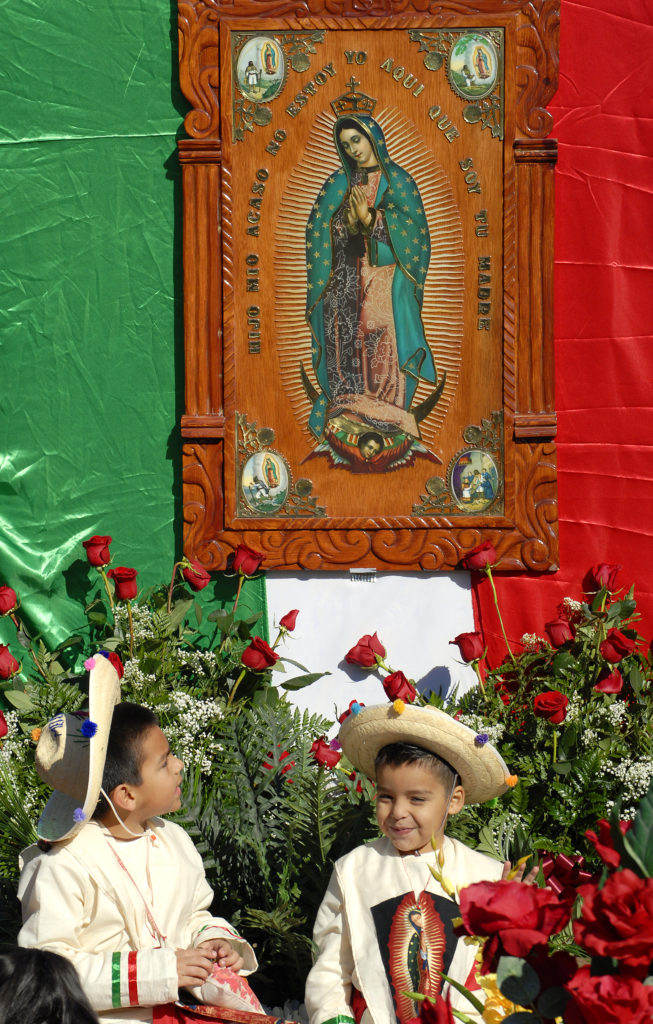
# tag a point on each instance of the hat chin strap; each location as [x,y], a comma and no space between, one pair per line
[120,821]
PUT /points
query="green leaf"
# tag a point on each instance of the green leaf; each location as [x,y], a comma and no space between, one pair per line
[562,767]
[223,618]
[638,841]
[199,614]
[251,620]
[563,662]
[476,1003]
[635,678]
[517,980]
[299,682]
[19,699]
[179,612]
[552,1002]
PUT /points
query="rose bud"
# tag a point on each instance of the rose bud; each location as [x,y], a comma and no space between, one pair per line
[616,646]
[8,600]
[397,687]
[246,561]
[551,705]
[196,577]
[559,631]
[289,619]
[603,574]
[125,582]
[324,754]
[8,664]
[609,682]
[470,645]
[480,556]
[259,655]
[97,550]
[366,651]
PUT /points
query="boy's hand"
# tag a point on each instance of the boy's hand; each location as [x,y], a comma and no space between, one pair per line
[194,966]
[224,954]
[518,875]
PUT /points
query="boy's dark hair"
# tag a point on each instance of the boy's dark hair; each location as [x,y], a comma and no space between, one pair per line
[40,987]
[124,758]
[410,753]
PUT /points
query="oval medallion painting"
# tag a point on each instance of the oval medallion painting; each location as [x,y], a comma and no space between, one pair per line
[474,480]
[473,66]
[261,69]
[265,482]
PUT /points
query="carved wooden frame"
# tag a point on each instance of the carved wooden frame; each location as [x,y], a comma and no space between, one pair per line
[525,534]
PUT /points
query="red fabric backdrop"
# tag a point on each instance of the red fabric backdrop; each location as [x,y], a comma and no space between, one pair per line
[603,120]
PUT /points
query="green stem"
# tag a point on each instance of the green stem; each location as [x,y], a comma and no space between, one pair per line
[555,745]
[279,635]
[105,580]
[235,686]
[488,573]
[19,626]
[240,587]
[172,583]
[131,629]
[477,669]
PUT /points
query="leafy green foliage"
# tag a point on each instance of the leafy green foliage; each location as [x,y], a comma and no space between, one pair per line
[573,771]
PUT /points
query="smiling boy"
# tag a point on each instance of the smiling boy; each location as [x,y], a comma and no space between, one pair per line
[112,886]
[385,927]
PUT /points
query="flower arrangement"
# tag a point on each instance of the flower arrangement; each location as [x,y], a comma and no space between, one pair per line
[524,974]
[264,812]
[570,713]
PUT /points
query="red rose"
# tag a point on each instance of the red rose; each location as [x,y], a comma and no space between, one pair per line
[607,999]
[436,1012]
[616,646]
[246,560]
[603,844]
[559,631]
[603,574]
[289,619]
[4,728]
[470,645]
[259,655]
[125,582]
[609,682]
[397,687]
[551,705]
[617,920]
[359,784]
[8,664]
[115,661]
[97,550]
[197,578]
[365,652]
[8,600]
[517,918]
[324,754]
[480,556]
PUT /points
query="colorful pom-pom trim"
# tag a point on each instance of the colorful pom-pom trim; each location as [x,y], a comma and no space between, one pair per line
[356,708]
[511,780]
[481,739]
[78,814]
[399,706]
[88,729]
[36,735]
[89,664]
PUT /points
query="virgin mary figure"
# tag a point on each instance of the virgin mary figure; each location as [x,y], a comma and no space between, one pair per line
[367,256]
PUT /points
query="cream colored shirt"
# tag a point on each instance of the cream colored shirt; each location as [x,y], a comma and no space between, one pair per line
[78,901]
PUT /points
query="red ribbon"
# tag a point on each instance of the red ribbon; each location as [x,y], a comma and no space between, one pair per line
[564,874]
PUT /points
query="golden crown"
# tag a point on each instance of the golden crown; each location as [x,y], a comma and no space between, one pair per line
[352,102]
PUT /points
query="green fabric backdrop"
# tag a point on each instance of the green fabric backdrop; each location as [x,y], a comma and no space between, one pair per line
[91,328]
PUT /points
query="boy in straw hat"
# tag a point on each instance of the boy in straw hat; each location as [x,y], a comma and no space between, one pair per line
[110,885]
[385,926]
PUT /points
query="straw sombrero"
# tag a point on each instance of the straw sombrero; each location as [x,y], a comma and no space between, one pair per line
[70,756]
[482,770]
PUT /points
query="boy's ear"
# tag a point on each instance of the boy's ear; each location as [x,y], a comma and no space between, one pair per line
[457,801]
[122,797]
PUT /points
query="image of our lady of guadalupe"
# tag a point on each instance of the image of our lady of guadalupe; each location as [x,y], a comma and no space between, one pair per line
[367,256]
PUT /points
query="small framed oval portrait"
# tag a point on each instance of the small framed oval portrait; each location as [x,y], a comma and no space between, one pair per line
[265,482]
[473,66]
[474,480]
[261,69]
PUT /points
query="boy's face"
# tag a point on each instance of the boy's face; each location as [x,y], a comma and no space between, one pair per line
[412,806]
[159,792]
